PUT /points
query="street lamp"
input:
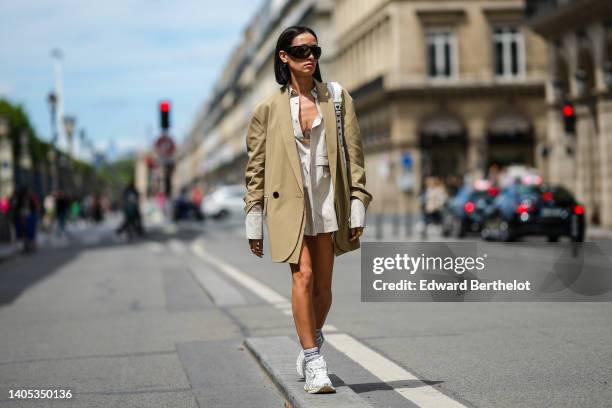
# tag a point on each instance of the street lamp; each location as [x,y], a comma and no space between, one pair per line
[81,145]
[52,155]
[69,125]
[52,102]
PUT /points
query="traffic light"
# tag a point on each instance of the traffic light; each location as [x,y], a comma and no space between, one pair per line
[569,118]
[164,110]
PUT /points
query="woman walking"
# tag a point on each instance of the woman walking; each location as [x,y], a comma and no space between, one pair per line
[297,180]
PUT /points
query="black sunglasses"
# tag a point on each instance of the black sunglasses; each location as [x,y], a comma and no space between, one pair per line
[304,50]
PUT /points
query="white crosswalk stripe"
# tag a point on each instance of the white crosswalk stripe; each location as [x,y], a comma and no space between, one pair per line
[386,370]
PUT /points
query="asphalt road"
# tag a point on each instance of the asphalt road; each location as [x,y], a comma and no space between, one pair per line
[160,322]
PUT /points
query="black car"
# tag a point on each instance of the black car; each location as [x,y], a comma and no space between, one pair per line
[465,212]
[520,210]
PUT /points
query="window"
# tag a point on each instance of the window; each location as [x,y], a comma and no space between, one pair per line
[441,54]
[508,54]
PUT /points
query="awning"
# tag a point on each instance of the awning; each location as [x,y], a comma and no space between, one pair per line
[509,124]
[442,125]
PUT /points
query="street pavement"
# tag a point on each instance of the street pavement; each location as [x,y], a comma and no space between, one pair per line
[161,321]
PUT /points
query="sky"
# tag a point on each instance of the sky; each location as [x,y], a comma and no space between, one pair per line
[121,57]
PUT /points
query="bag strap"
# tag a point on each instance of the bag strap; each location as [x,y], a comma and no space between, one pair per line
[336,90]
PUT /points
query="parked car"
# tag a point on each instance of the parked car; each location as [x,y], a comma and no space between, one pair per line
[522,210]
[225,201]
[465,211]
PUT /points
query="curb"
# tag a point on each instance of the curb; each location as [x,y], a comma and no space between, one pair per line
[277,356]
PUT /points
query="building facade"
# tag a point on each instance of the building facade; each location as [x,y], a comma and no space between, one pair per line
[215,150]
[445,88]
[578,37]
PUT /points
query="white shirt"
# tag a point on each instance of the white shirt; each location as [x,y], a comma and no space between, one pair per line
[316,177]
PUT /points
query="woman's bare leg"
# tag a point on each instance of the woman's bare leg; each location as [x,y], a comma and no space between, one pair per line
[301,295]
[322,266]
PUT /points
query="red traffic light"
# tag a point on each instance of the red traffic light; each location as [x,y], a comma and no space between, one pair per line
[569,117]
[164,110]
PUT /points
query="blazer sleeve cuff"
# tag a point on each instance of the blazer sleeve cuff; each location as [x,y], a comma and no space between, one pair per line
[362,194]
[254,223]
[358,213]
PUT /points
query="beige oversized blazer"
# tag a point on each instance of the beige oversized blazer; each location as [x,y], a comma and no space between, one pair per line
[273,175]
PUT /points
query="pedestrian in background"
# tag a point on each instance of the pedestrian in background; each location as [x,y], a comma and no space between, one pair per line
[24,214]
[62,205]
[435,197]
[49,212]
[314,208]
[97,212]
[132,220]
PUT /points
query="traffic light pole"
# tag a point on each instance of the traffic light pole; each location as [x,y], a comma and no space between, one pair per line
[169,168]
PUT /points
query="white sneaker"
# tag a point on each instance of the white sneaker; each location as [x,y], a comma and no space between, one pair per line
[317,380]
[299,364]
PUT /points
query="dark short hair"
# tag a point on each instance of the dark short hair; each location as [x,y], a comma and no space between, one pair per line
[281,71]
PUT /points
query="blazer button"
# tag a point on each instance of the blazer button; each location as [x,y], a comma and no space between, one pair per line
[275,194]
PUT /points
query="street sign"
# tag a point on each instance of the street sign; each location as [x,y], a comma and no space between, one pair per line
[164,146]
[407,160]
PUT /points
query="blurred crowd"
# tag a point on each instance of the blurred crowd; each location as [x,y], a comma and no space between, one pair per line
[24,214]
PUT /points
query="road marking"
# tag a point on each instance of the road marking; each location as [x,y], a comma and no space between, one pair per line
[329,328]
[418,392]
[283,305]
[424,396]
[242,278]
[222,292]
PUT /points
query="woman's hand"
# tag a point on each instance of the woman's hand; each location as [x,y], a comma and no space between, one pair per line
[256,246]
[356,233]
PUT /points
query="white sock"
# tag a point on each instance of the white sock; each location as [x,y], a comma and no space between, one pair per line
[311,354]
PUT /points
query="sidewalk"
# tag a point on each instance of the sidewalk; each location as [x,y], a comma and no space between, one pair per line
[598,233]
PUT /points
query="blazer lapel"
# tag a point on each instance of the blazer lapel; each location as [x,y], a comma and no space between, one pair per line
[286,129]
